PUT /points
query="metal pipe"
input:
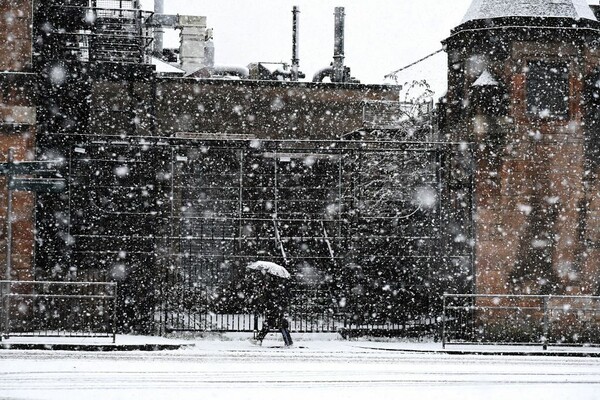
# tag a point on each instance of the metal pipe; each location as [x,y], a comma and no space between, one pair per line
[231,70]
[338,45]
[209,49]
[159,8]
[295,42]
[323,73]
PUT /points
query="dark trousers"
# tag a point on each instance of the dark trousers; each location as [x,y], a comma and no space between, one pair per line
[283,326]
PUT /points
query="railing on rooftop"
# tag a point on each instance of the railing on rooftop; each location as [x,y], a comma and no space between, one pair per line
[393,114]
[117,35]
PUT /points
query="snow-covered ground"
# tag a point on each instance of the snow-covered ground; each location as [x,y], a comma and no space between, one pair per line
[313,369]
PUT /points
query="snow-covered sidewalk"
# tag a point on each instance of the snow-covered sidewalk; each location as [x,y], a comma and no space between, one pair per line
[122,343]
[239,341]
[320,367]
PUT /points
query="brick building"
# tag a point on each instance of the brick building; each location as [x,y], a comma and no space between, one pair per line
[523,87]
[18,101]
[174,183]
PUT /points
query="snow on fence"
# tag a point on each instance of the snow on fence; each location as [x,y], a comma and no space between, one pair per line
[58,309]
[299,322]
[521,319]
[219,322]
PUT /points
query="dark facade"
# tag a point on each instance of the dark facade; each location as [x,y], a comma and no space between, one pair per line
[174,184]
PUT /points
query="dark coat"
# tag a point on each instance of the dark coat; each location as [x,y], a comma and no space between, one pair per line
[274,300]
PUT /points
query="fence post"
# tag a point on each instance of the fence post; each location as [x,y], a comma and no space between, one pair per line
[546,322]
[444,321]
[7,310]
[114,323]
[10,159]
[3,305]
[255,330]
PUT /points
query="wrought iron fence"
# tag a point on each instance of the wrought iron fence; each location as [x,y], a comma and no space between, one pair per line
[299,322]
[365,229]
[521,319]
[58,309]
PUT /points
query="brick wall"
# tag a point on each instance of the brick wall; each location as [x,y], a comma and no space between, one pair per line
[17,127]
[536,206]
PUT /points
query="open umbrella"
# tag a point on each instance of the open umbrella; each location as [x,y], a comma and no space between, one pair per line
[269,268]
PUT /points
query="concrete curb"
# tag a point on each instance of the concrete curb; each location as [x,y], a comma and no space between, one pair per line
[94,347]
[499,352]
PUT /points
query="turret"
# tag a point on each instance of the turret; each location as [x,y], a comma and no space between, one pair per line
[523,79]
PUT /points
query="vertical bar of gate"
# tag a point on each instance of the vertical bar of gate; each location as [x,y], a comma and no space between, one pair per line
[114,319]
[444,321]
[546,330]
[255,327]
[10,159]
[3,305]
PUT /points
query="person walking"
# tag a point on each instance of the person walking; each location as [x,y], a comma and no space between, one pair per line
[274,301]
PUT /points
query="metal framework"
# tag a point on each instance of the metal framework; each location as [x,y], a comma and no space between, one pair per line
[362,226]
[521,319]
[110,31]
[72,309]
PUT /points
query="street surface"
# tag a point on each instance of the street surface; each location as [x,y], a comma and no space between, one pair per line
[311,370]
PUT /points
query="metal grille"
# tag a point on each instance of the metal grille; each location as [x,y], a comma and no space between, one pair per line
[103,31]
[521,319]
[362,227]
[82,309]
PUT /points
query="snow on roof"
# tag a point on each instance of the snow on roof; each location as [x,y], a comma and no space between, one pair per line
[487,9]
[486,79]
[165,68]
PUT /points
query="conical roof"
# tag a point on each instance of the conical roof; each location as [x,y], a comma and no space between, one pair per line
[487,9]
[485,79]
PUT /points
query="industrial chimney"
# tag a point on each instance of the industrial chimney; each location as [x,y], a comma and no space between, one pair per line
[337,71]
[295,42]
[338,45]
[159,8]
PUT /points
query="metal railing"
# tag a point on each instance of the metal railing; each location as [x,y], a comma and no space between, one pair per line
[298,322]
[520,319]
[112,35]
[58,309]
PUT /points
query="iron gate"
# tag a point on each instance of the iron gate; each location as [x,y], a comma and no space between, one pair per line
[372,232]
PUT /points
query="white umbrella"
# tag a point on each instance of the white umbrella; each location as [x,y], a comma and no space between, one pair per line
[269,268]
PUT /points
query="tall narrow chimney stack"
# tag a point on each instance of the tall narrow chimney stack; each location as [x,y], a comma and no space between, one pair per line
[295,43]
[338,49]
[159,8]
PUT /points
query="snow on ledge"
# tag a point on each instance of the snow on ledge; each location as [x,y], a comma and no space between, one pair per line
[487,9]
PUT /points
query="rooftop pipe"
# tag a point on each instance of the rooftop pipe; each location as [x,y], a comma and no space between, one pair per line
[295,41]
[338,45]
[159,8]
[337,72]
